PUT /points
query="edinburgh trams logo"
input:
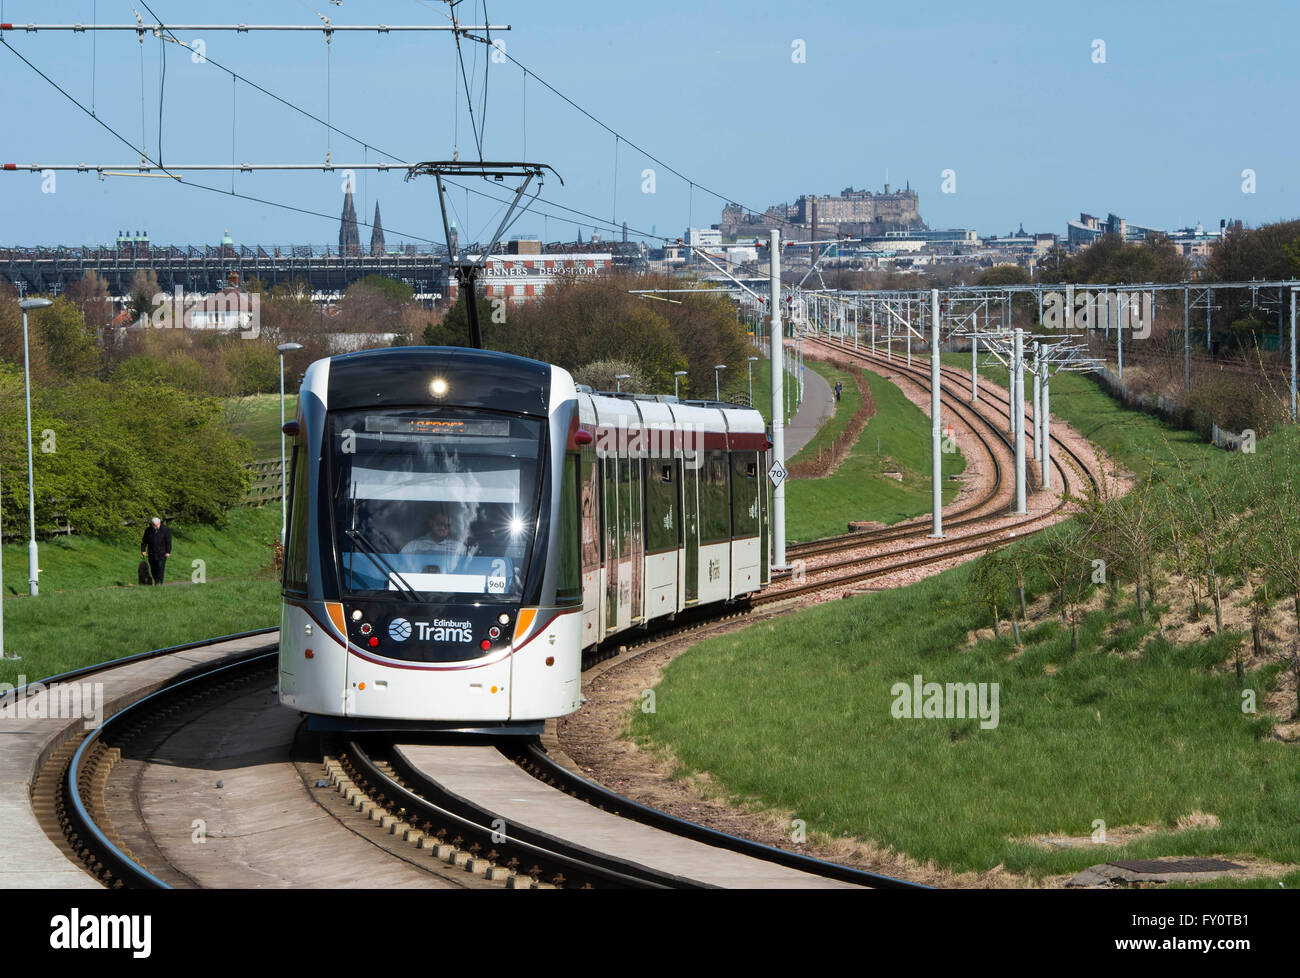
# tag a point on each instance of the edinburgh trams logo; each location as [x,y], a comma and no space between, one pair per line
[438,630]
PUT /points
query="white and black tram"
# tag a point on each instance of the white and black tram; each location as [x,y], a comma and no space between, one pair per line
[463,524]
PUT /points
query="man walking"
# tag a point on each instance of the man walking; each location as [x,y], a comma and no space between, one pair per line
[156,546]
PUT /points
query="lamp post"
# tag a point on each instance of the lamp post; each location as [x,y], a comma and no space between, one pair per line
[618,382]
[284,468]
[677,375]
[717,372]
[32,570]
[751,380]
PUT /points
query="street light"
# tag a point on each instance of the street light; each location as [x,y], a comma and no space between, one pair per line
[32,571]
[284,468]
[717,372]
[618,382]
[677,374]
[751,380]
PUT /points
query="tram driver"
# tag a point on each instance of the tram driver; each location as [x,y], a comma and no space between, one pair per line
[438,541]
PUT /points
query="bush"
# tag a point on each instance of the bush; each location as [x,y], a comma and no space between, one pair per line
[113,453]
[253,367]
[1234,405]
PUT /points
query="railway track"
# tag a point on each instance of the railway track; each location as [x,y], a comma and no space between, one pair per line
[403,798]
[994,441]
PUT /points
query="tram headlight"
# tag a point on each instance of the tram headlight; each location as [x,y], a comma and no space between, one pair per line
[438,387]
[516,526]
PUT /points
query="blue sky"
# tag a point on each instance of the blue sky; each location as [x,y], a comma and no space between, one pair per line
[1006,95]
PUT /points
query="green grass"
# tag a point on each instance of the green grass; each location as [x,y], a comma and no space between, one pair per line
[76,563]
[1142,442]
[257,418]
[91,609]
[847,406]
[762,387]
[1128,741]
[78,628]
[796,715]
[897,438]
[833,427]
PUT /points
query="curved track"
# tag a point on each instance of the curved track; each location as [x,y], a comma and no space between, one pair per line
[995,445]
[392,795]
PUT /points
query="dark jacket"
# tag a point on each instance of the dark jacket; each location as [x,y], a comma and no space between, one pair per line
[156,543]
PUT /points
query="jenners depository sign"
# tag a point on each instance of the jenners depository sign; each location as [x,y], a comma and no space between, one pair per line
[526,276]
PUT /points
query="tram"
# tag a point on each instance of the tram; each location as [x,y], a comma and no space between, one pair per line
[463,524]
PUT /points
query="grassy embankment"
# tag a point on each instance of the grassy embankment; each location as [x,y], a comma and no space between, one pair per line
[257,418]
[1131,729]
[91,609]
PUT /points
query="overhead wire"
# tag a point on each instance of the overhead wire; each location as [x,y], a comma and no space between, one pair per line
[143,151]
[162,78]
[593,219]
[632,143]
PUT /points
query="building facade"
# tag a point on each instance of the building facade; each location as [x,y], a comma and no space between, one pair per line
[519,278]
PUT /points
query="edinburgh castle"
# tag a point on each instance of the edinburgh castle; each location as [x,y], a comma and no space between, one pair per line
[854,213]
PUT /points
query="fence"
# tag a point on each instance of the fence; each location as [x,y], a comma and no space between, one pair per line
[1229,441]
[1163,407]
[267,486]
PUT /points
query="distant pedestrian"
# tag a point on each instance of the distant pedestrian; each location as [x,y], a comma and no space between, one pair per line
[156,547]
[839,389]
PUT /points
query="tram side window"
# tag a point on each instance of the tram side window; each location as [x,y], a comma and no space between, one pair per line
[590,525]
[744,494]
[715,501]
[660,506]
[568,589]
[295,555]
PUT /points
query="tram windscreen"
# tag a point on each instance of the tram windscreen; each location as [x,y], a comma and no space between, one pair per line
[435,503]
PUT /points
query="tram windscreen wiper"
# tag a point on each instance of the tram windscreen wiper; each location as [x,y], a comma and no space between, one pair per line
[410,593]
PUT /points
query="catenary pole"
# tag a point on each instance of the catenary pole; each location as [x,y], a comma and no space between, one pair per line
[776,336]
[936,423]
[1018,414]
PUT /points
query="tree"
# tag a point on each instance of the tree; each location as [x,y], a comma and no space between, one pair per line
[1271,251]
[1063,554]
[395,292]
[1274,536]
[253,367]
[1003,275]
[602,375]
[585,320]
[989,587]
[453,328]
[122,451]
[1210,528]
[90,295]
[70,348]
[144,288]
[1110,260]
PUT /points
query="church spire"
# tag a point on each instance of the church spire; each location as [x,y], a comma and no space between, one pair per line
[377,235]
[349,237]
